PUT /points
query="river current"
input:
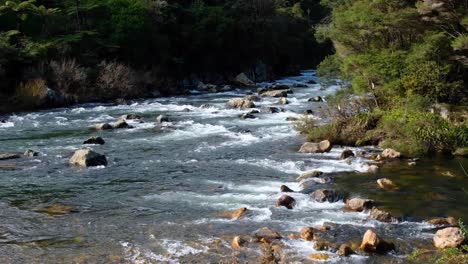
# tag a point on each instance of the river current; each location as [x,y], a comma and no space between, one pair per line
[162,195]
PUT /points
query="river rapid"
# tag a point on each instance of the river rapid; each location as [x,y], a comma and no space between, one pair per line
[161,197]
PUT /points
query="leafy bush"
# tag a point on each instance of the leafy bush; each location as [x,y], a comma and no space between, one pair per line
[68,77]
[117,80]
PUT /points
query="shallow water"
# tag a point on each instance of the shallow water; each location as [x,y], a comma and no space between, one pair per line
[161,197]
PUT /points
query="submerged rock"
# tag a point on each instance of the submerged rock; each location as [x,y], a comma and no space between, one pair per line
[236,214]
[372,243]
[346,154]
[58,209]
[238,242]
[274,93]
[309,174]
[292,119]
[440,221]
[319,256]
[267,234]
[285,188]
[247,116]
[286,201]
[323,195]
[449,237]
[345,250]
[307,233]
[9,156]
[31,153]
[240,103]
[390,154]
[283,101]
[386,184]
[382,216]
[95,140]
[161,119]
[271,109]
[103,126]
[87,158]
[315,99]
[321,147]
[359,204]
[121,124]
[129,117]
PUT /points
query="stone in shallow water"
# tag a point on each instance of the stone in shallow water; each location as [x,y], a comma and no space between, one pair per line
[266,233]
[95,140]
[449,237]
[58,209]
[88,158]
[238,242]
[236,214]
[8,156]
[319,256]
[372,243]
[307,233]
[286,201]
[382,216]
[359,204]
[31,153]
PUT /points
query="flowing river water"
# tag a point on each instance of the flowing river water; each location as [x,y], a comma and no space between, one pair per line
[162,195]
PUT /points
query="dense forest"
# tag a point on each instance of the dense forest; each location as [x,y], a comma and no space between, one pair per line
[103,49]
[408,61]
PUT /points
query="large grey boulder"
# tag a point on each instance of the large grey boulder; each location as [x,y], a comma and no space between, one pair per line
[87,158]
[243,80]
[311,147]
[240,103]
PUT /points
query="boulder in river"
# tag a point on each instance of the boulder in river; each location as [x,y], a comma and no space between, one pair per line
[283,101]
[31,153]
[386,184]
[129,117]
[103,126]
[8,156]
[359,204]
[161,119]
[382,216]
[315,99]
[252,98]
[390,154]
[267,234]
[87,158]
[345,250]
[449,237]
[324,195]
[236,214]
[271,109]
[243,80]
[311,147]
[441,221]
[121,124]
[247,116]
[285,188]
[286,201]
[309,174]
[372,243]
[346,154]
[274,93]
[95,141]
[238,242]
[307,233]
[240,103]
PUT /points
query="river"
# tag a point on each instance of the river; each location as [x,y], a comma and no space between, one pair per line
[162,195]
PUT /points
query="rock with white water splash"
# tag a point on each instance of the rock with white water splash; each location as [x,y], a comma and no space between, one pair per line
[95,141]
[441,221]
[283,101]
[359,204]
[121,124]
[386,184]
[449,237]
[285,188]
[345,250]
[382,216]
[390,154]
[324,195]
[271,109]
[103,126]
[311,147]
[236,214]
[286,201]
[129,117]
[238,242]
[31,153]
[309,174]
[240,103]
[247,116]
[266,233]
[307,233]
[8,156]
[366,168]
[372,243]
[346,154]
[315,99]
[161,119]
[252,98]
[243,80]
[88,158]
